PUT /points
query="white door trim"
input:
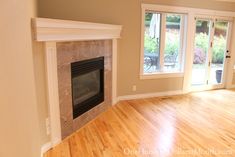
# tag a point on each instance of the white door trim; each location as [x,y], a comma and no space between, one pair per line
[231,61]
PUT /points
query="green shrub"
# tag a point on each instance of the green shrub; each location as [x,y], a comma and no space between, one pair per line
[150,44]
[219,49]
[201,41]
[172,44]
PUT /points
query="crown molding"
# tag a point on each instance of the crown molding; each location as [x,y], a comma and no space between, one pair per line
[46,29]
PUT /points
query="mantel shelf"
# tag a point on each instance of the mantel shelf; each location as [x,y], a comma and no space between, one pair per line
[46,29]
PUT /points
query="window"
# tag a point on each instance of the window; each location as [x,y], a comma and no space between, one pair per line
[163,42]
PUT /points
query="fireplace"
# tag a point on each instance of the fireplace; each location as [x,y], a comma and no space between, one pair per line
[87,83]
[69,42]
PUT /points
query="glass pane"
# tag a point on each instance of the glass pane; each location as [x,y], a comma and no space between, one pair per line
[152,42]
[172,53]
[201,45]
[85,86]
[218,52]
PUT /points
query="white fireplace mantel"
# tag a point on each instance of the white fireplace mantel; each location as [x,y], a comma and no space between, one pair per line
[65,30]
[51,31]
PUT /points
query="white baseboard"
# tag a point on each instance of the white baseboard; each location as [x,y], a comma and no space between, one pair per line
[149,95]
[114,101]
[45,148]
[55,142]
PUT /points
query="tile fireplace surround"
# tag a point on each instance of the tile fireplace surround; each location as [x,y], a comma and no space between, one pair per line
[67,53]
[67,42]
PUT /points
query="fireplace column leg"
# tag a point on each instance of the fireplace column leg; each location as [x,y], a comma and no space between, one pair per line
[52,89]
[114,71]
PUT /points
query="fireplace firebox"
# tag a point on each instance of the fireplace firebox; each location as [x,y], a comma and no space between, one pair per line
[87,85]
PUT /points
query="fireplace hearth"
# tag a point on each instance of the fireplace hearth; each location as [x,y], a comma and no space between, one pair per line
[87,85]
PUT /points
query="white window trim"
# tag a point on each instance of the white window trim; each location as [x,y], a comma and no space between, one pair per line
[162,41]
[162,74]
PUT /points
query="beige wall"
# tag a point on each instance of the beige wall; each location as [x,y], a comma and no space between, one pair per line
[19,125]
[233,81]
[126,13]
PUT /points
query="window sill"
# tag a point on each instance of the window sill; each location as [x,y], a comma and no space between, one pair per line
[161,75]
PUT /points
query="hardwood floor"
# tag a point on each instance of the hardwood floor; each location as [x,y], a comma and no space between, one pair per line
[197,124]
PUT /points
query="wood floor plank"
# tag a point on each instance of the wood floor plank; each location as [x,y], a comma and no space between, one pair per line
[198,124]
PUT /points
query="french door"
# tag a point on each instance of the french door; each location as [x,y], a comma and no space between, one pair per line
[211,51]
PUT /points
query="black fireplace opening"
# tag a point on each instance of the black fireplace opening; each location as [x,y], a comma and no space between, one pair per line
[87,85]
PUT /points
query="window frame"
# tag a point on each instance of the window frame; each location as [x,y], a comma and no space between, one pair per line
[183,34]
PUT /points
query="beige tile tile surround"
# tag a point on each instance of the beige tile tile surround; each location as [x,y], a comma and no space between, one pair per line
[68,52]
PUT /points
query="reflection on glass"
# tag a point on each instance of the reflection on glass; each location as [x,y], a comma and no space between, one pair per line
[152,42]
[85,86]
[172,43]
[201,45]
[218,52]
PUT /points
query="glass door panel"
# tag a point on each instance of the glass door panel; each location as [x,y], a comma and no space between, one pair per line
[201,49]
[218,52]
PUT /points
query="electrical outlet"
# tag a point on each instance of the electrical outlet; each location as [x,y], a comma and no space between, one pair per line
[134,88]
[48,126]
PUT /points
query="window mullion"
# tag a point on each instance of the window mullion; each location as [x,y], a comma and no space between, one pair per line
[162,42]
[181,48]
